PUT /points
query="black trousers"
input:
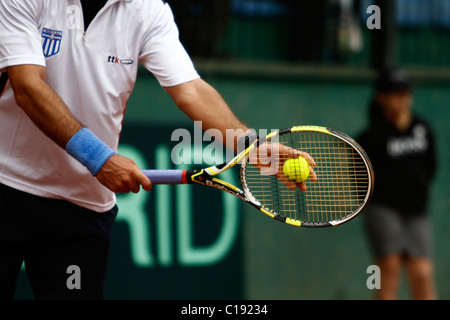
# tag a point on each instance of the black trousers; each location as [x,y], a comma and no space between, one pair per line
[65,247]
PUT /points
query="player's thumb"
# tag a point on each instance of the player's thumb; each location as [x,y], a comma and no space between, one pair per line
[144,181]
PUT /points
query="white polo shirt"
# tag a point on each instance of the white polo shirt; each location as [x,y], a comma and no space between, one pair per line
[93,72]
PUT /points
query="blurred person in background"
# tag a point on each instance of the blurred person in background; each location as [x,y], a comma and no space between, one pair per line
[401,147]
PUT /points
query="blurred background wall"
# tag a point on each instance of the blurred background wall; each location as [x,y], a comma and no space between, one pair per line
[277,63]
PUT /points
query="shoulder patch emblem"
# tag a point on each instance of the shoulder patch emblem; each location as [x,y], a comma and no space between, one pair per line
[51,42]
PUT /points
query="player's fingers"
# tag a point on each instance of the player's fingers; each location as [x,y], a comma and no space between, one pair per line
[288,183]
[286,152]
[144,181]
[289,153]
[135,188]
[291,185]
[308,158]
[128,184]
[302,186]
[133,182]
[312,175]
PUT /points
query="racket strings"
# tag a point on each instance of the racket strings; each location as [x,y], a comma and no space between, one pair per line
[340,189]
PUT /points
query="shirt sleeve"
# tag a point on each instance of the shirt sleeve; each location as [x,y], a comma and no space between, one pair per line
[162,52]
[20,41]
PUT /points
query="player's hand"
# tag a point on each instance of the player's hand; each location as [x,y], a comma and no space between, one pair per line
[286,153]
[269,158]
[121,175]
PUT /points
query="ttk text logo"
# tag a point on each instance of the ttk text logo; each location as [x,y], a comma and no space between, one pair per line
[117,60]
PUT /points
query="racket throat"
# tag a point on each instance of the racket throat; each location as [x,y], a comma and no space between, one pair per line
[196,176]
[203,178]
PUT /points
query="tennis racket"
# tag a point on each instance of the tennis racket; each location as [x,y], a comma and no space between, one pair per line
[339,187]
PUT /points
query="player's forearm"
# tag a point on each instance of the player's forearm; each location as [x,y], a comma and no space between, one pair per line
[42,105]
[49,113]
[201,102]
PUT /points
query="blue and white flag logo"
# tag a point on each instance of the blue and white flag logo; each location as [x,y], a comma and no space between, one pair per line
[52,42]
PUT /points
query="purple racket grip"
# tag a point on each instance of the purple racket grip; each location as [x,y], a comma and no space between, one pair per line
[166,176]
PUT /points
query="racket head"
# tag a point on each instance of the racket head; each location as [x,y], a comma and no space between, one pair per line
[344,186]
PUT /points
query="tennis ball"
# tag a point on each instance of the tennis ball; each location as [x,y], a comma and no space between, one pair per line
[296,169]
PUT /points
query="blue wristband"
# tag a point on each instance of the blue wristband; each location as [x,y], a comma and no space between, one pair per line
[89,150]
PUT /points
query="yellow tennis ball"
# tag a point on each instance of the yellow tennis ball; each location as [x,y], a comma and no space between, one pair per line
[296,169]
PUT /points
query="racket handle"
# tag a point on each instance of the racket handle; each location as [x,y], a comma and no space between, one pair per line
[166,176]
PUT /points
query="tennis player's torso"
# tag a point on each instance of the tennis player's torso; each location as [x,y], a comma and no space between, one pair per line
[79,64]
[103,56]
[93,70]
